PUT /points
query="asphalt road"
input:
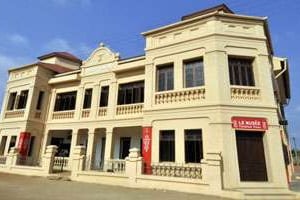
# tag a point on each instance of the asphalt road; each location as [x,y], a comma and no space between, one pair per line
[14,187]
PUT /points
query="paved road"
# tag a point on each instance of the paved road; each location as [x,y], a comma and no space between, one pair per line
[13,187]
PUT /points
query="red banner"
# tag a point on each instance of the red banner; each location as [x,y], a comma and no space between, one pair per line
[146,151]
[249,123]
[23,144]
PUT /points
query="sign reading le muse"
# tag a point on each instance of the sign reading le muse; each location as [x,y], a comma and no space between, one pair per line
[249,123]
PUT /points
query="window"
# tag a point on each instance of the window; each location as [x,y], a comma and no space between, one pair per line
[12,142]
[11,101]
[241,72]
[104,96]
[65,101]
[23,99]
[193,146]
[165,77]
[31,145]
[167,146]
[87,98]
[130,93]
[193,73]
[40,100]
[2,145]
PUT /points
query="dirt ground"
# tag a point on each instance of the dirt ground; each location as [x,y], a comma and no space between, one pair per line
[14,187]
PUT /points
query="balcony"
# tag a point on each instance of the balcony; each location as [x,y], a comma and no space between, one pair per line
[102,112]
[37,115]
[185,95]
[130,109]
[14,114]
[244,93]
[85,113]
[63,115]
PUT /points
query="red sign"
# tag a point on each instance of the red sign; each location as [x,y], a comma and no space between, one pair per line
[23,144]
[146,151]
[249,123]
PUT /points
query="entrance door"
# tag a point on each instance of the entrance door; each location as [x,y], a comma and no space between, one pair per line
[251,156]
[124,147]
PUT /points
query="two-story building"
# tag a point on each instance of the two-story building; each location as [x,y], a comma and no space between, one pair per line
[208,84]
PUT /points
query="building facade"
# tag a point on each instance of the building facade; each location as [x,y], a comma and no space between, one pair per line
[208,88]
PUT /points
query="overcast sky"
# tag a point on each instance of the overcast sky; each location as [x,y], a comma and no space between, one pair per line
[30,28]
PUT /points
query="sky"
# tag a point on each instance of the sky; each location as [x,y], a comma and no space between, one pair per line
[30,28]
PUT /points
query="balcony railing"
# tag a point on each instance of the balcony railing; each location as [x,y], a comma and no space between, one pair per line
[180,96]
[244,93]
[130,109]
[85,113]
[193,171]
[116,166]
[37,115]
[63,115]
[61,163]
[14,114]
[102,112]
[2,160]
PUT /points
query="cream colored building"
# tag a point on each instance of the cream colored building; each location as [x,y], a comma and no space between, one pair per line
[204,105]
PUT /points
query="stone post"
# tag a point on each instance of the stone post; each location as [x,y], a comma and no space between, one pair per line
[78,160]
[212,170]
[134,165]
[48,158]
[12,157]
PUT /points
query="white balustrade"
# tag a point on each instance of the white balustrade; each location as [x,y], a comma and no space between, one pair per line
[102,112]
[63,115]
[61,163]
[192,171]
[14,114]
[245,93]
[2,160]
[130,109]
[116,166]
[85,113]
[185,95]
[37,114]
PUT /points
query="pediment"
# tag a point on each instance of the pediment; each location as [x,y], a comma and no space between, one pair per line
[101,55]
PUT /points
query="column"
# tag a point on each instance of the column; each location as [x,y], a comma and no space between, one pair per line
[4,104]
[73,141]
[112,98]
[108,146]
[29,105]
[78,160]
[48,158]
[95,101]
[79,100]
[52,104]
[149,86]
[89,151]
[179,146]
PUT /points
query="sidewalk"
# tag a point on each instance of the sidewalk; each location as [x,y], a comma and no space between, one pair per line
[14,187]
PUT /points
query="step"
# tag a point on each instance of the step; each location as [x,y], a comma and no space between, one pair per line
[269,193]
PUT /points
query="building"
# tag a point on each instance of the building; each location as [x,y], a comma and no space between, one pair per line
[205,105]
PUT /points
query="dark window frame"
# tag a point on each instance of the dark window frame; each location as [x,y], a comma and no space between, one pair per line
[40,100]
[104,95]
[167,144]
[22,100]
[193,145]
[131,93]
[241,71]
[197,80]
[87,101]
[65,101]
[163,81]
[11,101]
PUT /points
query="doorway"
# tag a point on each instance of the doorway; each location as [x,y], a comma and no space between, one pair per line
[251,156]
[124,147]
